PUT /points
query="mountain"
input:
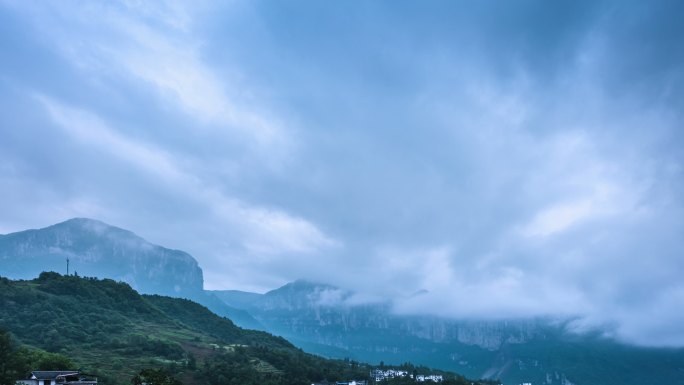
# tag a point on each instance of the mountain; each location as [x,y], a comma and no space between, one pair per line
[236,298]
[109,330]
[96,249]
[240,317]
[327,320]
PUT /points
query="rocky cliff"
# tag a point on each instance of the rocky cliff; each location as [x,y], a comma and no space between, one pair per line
[100,250]
[329,321]
[325,313]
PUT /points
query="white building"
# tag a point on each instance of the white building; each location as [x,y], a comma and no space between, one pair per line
[379,375]
[57,377]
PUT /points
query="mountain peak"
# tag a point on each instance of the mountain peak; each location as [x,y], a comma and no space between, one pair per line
[95,248]
[302,283]
[301,286]
[302,294]
[83,221]
[94,226]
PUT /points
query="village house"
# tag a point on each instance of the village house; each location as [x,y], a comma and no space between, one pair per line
[57,377]
[379,375]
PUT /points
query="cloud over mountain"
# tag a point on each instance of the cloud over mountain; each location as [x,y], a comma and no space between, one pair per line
[511,159]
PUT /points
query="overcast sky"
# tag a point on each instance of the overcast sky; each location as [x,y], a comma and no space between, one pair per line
[512,158]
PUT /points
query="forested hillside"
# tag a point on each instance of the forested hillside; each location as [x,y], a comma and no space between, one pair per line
[109,330]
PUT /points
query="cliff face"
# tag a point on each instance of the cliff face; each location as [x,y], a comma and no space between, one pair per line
[327,320]
[323,313]
[100,250]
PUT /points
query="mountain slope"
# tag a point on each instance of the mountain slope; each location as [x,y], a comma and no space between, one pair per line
[319,318]
[110,330]
[96,249]
[324,320]
[236,298]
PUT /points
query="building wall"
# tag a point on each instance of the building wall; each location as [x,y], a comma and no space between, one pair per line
[26,382]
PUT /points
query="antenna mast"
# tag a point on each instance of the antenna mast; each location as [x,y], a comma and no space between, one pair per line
[67,266]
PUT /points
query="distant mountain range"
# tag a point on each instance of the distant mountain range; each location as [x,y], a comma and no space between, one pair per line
[321,318]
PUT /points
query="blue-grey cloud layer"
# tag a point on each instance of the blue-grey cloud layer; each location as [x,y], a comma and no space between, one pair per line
[513,159]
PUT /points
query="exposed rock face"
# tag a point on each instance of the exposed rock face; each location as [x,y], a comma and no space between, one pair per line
[327,320]
[323,313]
[97,249]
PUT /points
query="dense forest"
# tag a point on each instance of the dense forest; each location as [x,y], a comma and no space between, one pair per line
[108,330]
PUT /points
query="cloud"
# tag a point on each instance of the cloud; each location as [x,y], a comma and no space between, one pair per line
[156,45]
[173,67]
[568,219]
[596,187]
[261,230]
[558,218]
[91,130]
[516,160]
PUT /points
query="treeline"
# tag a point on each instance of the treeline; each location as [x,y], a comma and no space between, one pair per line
[268,366]
[16,362]
[449,378]
[56,312]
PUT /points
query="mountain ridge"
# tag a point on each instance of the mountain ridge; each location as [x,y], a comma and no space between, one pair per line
[111,330]
[327,320]
[540,350]
[98,249]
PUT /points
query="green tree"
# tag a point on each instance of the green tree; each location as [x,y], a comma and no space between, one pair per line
[16,362]
[154,377]
[5,356]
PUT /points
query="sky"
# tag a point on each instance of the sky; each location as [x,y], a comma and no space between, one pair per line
[503,159]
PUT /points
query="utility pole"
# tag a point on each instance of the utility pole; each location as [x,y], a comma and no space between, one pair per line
[67,266]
